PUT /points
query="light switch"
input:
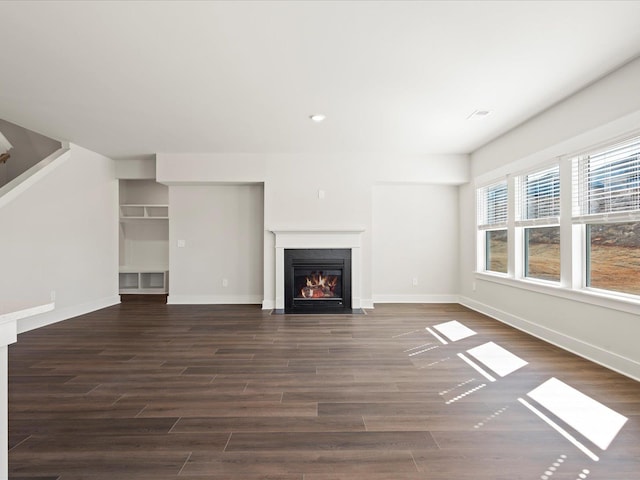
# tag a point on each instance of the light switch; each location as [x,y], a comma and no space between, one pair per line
[182,243]
[321,194]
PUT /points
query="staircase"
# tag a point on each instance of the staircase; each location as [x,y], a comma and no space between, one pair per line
[25,148]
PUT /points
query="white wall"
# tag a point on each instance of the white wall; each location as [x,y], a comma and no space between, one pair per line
[144,245]
[136,168]
[606,332]
[60,235]
[415,232]
[291,185]
[222,229]
[597,113]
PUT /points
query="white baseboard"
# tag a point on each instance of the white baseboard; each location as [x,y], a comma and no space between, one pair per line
[416,298]
[65,313]
[214,299]
[610,360]
[366,303]
[268,304]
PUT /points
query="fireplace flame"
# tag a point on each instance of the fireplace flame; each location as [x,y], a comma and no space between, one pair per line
[319,286]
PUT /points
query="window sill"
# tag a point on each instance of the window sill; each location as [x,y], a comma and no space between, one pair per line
[599,298]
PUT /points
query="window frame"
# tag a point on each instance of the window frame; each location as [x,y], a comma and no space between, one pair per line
[487,221]
[525,220]
[573,233]
[582,198]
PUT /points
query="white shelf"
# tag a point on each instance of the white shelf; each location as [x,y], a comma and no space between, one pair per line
[131,211]
[144,237]
[143,281]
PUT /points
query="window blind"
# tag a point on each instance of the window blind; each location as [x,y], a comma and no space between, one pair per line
[607,182]
[492,206]
[539,197]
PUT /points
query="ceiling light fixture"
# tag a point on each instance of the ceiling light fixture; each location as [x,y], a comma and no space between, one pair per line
[478,114]
[318,117]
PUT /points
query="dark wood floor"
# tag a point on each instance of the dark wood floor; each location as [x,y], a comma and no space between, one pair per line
[153,391]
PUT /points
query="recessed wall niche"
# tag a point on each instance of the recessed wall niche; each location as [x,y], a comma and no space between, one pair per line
[144,237]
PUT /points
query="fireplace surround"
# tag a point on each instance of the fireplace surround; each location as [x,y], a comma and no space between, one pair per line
[318,238]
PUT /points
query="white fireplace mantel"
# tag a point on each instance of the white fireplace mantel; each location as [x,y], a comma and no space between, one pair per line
[339,237]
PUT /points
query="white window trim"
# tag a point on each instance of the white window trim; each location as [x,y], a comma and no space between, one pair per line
[482,229]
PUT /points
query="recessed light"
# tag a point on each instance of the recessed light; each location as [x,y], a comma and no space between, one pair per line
[318,117]
[478,114]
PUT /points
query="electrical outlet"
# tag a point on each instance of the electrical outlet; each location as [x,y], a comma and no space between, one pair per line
[53,295]
[225,282]
[415,281]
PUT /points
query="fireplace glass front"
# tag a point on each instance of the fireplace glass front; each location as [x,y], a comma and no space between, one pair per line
[317,280]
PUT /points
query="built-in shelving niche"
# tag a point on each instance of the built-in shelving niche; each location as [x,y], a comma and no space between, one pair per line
[144,237]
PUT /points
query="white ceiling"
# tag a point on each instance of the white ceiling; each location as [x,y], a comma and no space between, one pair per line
[129,79]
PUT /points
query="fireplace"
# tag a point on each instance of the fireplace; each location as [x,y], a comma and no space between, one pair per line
[317,238]
[317,280]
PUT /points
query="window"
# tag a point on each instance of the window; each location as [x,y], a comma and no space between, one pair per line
[492,220]
[539,216]
[496,251]
[613,257]
[607,202]
[542,253]
[523,236]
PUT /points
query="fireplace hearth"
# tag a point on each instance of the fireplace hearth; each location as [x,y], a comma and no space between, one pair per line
[317,280]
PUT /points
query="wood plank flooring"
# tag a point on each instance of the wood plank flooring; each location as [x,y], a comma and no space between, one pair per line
[154,391]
